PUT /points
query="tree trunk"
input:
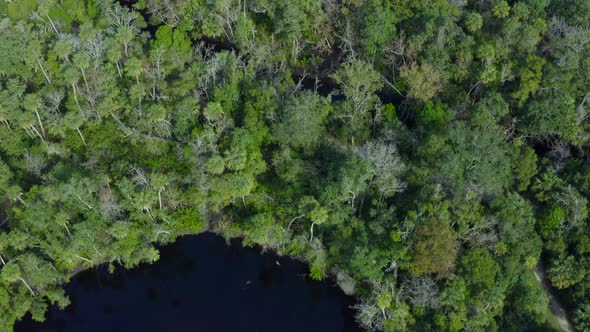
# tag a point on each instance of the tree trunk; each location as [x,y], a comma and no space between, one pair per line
[39,134]
[84,259]
[81,200]
[40,123]
[29,132]
[118,121]
[293,220]
[68,230]
[85,81]
[96,250]
[77,103]
[81,136]
[51,22]
[44,72]
[21,200]
[26,284]
[7,123]
[311,230]
[118,69]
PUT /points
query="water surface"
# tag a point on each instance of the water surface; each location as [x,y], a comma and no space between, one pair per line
[200,284]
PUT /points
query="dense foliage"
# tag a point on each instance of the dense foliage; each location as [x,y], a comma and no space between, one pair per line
[429,155]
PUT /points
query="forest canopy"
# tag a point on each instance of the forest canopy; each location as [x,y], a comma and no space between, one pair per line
[431,156]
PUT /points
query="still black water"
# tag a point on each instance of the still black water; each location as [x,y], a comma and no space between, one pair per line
[200,284]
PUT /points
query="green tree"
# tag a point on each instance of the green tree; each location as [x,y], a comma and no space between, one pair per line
[582,318]
[435,248]
[63,49]
[358,82]
[302,121]
[530,78]
[423,81]
[74,121]
[479,269]
[565,272]
[473,21]
[82,61]
[32,103]
[501,9]
[550,112]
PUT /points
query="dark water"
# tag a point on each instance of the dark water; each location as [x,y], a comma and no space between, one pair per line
[200,284]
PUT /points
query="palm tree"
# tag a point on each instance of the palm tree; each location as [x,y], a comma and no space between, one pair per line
[63,49]
[71,76]
[32,103]
[125,35]
[318,216]
[15,193]
[27,122]
[134,68]
[5,116]
[73,121]
[114,55]
[159,182]
[82,62]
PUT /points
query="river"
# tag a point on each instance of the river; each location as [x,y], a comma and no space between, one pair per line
[557,310]
[201,284]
